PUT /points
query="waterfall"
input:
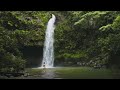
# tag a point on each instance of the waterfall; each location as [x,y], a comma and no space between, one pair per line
[48,50]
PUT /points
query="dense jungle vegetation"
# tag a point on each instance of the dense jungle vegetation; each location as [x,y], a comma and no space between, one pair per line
[82,38]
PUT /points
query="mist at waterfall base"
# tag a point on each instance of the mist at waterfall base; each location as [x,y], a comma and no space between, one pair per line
[48,51]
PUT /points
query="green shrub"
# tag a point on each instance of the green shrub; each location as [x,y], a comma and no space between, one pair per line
[11,63]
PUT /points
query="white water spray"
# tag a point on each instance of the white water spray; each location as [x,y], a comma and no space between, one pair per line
[48,51]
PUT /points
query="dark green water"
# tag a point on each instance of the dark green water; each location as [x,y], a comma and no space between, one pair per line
[71,73]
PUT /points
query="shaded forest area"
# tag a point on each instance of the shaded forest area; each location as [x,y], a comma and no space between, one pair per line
[82,38]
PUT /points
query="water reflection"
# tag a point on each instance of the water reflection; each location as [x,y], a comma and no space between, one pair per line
[48,73]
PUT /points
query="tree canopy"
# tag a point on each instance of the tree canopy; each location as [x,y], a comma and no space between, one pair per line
[90,37]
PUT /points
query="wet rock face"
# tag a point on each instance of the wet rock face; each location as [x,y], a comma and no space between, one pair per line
[33,56]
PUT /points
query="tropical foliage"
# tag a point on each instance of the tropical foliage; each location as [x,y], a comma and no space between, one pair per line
[86,38]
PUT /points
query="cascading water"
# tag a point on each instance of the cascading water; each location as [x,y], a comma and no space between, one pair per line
[48,51]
